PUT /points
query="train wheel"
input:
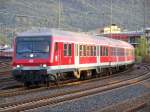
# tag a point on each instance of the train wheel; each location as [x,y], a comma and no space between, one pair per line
[36,83]
[27,84]
[95,73]
[55,78]
[110,71]
[83,75]
[86,75]
[47,81]
[89,74]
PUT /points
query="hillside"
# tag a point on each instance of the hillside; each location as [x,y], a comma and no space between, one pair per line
[76,15]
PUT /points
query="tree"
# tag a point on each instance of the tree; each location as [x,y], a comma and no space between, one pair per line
[142,48]
[3,39]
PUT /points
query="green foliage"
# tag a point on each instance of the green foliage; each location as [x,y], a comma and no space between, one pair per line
[3,39]
[142,49]
[72,14]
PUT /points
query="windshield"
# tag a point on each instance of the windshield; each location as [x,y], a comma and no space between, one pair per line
[38,47]
[32,47]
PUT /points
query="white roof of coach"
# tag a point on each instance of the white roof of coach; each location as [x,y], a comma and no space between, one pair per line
[65,36]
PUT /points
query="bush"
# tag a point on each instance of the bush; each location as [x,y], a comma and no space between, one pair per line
[3,39]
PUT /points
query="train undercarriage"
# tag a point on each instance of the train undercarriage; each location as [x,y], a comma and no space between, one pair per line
[36,77]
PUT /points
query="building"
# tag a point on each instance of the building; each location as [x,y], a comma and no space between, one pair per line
[131,36]
[115,32]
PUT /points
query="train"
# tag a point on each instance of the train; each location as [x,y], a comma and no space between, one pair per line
[44,56]
[6,53]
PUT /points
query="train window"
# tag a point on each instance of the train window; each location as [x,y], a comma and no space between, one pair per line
[84,50]
[91,50]
[80,50]
[94,50]
[117,51]
[76,49]
[126,52]
[69,50]
[97,50]
[56,46]
[101,50]
[123,52]
[114,51]
[106,51]
[65,49]
[87,50]
[111,51]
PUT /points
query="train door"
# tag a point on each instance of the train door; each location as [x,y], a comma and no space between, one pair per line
[76,55]
[57,54]
[97,55]
[68,54]
[125,54]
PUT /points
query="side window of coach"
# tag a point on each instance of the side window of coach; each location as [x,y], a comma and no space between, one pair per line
[106,51]
[80,50]
[65,49]
[56,46]
[94,50]
[69,50]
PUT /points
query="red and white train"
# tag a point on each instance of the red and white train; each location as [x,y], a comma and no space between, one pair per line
[47,55]
[6,53]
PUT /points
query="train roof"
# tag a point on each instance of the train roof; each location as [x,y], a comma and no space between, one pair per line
[68,36]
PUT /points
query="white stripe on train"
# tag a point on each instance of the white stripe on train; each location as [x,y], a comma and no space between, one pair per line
[65,67]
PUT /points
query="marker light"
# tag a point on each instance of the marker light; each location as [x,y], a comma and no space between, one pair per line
[18,66]
[44,65]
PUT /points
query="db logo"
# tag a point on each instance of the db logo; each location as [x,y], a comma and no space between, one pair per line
[31,61]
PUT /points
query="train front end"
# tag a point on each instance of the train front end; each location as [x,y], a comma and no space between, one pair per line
[31,59]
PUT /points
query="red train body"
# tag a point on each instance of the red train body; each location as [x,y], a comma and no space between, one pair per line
[44,56]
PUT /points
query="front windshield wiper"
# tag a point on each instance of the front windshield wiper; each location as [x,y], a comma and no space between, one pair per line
[24,51]
[40,52]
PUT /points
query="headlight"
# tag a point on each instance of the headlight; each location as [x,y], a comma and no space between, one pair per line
[18,66]
[44,65]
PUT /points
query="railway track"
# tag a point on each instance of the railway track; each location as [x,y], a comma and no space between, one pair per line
[6,81]
[5,68]
[129,105]
[66,96]
[22,90]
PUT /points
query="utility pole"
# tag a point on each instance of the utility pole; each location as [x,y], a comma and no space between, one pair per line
[145,10]
[144,13]
[59,13]
[110,18]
